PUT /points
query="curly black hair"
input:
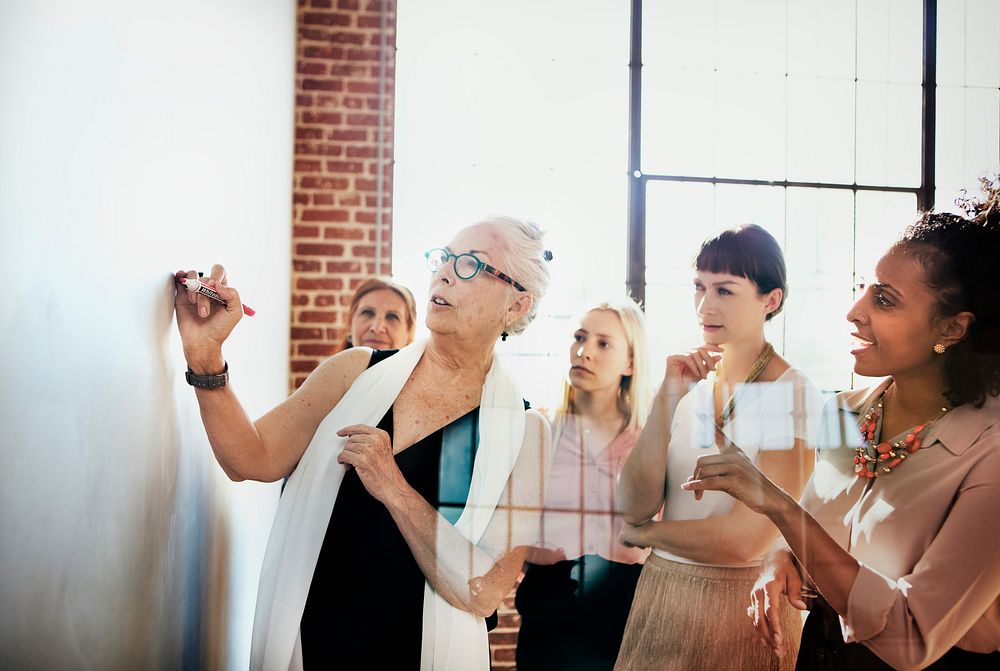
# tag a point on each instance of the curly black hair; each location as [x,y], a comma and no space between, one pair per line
[959,255]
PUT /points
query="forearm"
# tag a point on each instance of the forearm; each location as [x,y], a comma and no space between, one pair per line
[235,441]
[641,483]
[724,540]
[463,574]
[831,568]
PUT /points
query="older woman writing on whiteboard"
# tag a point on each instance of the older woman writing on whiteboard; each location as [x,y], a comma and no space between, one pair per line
[414,476]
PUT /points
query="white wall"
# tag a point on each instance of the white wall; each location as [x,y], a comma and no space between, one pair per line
[136,138]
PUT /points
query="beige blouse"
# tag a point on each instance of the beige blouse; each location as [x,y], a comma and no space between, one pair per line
[926,534]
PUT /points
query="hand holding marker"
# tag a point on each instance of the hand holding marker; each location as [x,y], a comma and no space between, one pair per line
[199,288]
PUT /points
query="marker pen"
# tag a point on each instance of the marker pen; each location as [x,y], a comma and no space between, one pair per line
[199,288]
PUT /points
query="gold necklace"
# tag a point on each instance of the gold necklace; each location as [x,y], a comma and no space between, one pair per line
[755,370]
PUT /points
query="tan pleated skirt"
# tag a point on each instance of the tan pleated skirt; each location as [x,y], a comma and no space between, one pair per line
[693,617]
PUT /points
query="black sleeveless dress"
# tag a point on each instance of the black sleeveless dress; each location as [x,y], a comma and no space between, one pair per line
[365,603]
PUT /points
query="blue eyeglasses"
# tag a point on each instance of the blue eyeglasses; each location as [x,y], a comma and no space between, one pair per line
[467,266]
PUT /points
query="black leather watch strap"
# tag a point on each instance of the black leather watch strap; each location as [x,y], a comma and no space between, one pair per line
[207,381]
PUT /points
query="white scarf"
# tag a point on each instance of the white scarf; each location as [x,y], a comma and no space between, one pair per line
[453,639]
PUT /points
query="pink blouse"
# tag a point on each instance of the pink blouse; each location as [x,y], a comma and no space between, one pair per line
[580,513]
[925,534]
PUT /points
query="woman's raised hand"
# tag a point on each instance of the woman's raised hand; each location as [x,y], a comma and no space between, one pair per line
[731,471]
[203,323]
[779,580]
[685,369]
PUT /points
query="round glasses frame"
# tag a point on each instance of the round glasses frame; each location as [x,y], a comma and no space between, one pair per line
[438,256]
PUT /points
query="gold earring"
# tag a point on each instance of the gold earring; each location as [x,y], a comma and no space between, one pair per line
[939,348]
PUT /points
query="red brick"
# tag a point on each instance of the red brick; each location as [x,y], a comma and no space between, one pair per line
[362,87]
[318,249]
[327,102]
[387,40]
[328,53]
[299,333]
[362,152]
[350,135]
[344,166]
[321,4]
[499,638]
[322,85]
[303,101]
[302,266]
[299,300]
[321,283]
[302,165]
[297,381]
[364,55]
[363,250]
[331,118]
[353,102]
[363,217]
[314,317]
[300,199]
[317,149]
[332,183]
[338,70]
[352,5]
[310,68]
[362,184]
[326,215]
[313,349]
[343,233]
[349,200]
[305,231]
[369,21]
[325,19]
[308,133]
[343,267]
[504,654]
[362,119]
[372,201]
[323,199]
[325,300]
[299,366]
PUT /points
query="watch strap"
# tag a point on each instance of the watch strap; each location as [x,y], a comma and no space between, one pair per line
[207,381]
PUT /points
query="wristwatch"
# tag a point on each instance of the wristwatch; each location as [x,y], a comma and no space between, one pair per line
[207,381]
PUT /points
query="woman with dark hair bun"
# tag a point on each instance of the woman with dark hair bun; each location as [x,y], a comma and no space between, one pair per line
[895,536]
[687,611]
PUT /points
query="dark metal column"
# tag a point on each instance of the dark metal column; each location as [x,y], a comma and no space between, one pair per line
[636,245]
[925,198]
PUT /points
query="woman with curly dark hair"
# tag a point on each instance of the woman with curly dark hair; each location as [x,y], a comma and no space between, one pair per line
[895,535]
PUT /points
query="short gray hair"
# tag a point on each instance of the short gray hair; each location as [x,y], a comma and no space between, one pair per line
[524,258]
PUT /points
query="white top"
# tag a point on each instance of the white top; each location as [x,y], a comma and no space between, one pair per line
[767,416]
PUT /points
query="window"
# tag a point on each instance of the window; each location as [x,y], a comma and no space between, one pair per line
[803,116]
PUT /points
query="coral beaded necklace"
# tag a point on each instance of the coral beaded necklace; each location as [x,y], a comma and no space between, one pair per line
[873,456]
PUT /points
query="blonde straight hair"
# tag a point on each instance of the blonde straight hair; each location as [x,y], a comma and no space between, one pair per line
[635,395]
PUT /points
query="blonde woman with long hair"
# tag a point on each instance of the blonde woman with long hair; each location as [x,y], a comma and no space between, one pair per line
[578,584]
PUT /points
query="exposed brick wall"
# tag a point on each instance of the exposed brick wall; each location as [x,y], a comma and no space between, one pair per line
[503,639]
[340,74]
